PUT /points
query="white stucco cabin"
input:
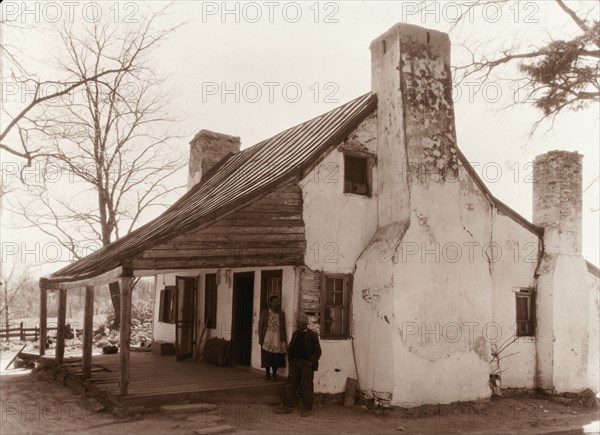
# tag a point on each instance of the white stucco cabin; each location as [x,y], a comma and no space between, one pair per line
[369,220]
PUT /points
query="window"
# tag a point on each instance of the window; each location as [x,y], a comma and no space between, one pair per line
[166,312]
[210,300]
[525,300]
[335,306]
[356,175]
[270,286]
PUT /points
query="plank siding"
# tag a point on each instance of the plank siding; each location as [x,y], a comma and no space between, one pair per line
[269,231]
[310,297]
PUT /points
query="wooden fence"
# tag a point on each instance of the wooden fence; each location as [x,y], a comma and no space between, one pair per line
[22,332]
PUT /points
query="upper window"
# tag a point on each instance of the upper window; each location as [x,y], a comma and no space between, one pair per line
[210,300]
[356,175]
[525,301]
[336,291]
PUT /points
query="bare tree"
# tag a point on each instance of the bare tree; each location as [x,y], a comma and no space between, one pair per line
[18,279]
[558,75]
[107,142]
[16,125]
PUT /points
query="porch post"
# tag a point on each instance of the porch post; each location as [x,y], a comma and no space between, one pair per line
[43,318]
[125,289]
[88,317]
[62,316]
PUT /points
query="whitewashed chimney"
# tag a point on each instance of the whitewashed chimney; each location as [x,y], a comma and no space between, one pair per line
[562,291]
[410,74]
[416,150]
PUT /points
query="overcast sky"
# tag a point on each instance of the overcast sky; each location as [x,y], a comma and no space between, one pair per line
[322,50]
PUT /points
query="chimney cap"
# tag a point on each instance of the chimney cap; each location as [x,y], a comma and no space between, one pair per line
[214,135]
[560,154]
[417,33]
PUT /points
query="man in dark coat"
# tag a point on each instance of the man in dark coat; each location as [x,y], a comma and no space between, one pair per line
[304,352]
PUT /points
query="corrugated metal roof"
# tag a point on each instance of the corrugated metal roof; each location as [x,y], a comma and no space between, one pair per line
[250,173]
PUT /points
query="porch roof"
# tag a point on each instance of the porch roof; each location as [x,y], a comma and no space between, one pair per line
[238,179]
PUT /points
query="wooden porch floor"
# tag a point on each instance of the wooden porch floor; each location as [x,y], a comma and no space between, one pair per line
[158,380]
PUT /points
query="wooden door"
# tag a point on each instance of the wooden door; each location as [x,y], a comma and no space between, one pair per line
[184,317]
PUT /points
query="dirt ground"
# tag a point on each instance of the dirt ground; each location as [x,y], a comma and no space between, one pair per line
[30,406]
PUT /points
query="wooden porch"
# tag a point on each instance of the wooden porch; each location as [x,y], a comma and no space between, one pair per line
[159,380]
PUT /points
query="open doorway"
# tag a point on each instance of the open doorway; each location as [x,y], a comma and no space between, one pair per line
[241,328]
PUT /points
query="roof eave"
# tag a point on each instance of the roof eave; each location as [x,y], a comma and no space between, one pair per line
[333,141]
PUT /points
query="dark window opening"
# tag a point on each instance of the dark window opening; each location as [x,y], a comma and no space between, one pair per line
[166,312]
[525,305]
[356,175]
[210,300]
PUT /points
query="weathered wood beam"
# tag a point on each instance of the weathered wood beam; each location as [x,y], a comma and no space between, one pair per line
[88,325]
[159,264]
[232,238]
[94,281]
[266,216]
[43,318]
[125,289]
[62,317]
[267,242]
[249,227]
[274,209]
[277,249]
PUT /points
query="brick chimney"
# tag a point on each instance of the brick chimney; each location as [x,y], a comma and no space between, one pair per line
[557,197]
[207,149]
[562,291]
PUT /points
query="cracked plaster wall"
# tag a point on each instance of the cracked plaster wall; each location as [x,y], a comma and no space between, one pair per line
[425,287]
[338,226]
[434,287]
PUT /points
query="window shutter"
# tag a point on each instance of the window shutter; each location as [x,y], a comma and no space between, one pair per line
[522,316]
[532,308]
[348,304]
[166,309]
[161,308]
[172,294]
[210,300]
